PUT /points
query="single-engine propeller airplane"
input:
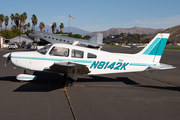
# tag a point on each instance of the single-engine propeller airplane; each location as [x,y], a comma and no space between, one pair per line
[76,60]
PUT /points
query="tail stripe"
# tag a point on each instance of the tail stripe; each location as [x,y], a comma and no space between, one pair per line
[151,50]
[162,46]
[157,47]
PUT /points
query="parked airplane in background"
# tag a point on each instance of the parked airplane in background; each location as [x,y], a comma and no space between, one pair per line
[94,41]
[133,45]
[76,60]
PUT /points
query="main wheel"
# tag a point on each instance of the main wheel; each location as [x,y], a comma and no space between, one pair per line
[69,82]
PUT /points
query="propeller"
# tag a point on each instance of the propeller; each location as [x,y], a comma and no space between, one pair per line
[8,57]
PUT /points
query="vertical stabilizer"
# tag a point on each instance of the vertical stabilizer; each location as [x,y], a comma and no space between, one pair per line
[154,50]
[97,38]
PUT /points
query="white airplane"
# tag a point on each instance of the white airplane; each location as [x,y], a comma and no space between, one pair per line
[94,41]
[132,46]
[76,60]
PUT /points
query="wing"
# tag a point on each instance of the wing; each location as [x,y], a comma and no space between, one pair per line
[69,67]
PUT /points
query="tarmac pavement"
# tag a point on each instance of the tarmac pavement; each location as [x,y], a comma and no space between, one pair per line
[127,96]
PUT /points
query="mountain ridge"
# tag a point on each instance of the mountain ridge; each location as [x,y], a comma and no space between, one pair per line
[174,34]
[133,30]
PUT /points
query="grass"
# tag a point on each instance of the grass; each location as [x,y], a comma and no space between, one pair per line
[172,47]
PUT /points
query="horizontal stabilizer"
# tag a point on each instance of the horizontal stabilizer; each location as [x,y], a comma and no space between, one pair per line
[161,66]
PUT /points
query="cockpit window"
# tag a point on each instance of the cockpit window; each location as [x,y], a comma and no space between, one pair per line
[77,53]
[59,51]
[44,50]
[90,55]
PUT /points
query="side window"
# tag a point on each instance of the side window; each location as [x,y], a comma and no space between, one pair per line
[90,55]
[77,53]
[59,51]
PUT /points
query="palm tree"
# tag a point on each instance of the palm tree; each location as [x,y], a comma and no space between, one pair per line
[41,26]
[61,27]
[16,19]
[53,27]
[22,19]
[25,26]
[1,20]
[12,18]
[28,25]
[6,21]
[25,17]
[34,20]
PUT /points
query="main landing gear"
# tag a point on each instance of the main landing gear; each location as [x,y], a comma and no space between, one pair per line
[68,81]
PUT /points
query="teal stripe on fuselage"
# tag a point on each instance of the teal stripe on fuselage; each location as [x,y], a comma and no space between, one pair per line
[52,59]
[140,64]
[157,47]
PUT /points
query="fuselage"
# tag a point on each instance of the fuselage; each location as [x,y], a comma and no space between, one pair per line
[97,61]
[60,38]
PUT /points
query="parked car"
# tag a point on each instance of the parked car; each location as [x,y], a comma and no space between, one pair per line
[13,46]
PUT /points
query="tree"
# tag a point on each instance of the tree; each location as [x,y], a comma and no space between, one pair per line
[14,27]
[53,27]
[22,19]
[6,21]
[34,20]
[12,18]
[28,25]
[25,26]
[1,20]
[41,26]
[61,27]
[25,17]
[16,19]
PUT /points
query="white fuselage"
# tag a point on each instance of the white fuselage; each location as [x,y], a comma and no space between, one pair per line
[100,62]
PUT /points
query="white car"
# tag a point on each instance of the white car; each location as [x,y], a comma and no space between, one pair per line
[13,46]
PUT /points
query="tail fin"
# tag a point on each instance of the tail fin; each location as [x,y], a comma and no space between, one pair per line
[97,38]
[154,50]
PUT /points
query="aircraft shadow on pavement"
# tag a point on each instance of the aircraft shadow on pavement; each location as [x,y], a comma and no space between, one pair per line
[46,82]
[125,80]
[130,82]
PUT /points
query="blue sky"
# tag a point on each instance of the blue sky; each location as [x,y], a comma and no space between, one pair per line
[98,15]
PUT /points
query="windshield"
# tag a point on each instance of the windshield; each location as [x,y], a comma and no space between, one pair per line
[44,49]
